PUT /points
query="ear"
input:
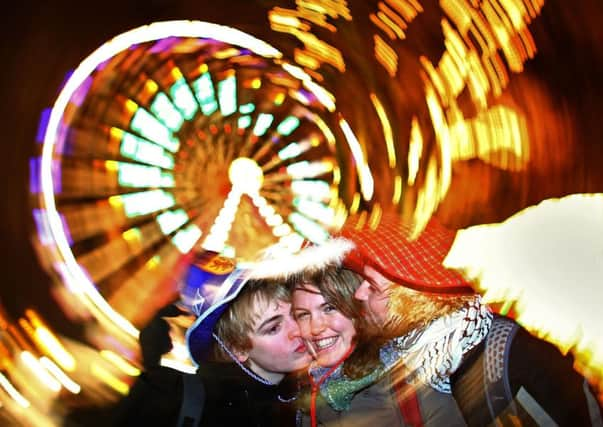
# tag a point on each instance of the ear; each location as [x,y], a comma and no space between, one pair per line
[241,355]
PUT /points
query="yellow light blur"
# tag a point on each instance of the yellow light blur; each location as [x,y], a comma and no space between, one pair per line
[39,371]
[387,20]
[111,165]
[13,392]
[65,381]
[130,106]
[427,199]
[397,194]
[54,348]
[375,216]
[364,173]
[415,149]
[279,98]
[407,9]
[442,133]
[355,203]
[386,55]
[381,25]
[122,364]
[387,130]
[108,378]
[256,83]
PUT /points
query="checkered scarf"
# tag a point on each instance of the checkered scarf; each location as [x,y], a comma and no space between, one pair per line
[434,353]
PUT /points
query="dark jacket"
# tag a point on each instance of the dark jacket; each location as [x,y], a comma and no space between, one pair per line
[542,382]
[232,399]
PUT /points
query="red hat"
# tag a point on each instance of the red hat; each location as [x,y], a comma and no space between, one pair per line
[416,264]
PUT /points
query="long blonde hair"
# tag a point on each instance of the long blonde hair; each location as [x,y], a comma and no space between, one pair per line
[408,309]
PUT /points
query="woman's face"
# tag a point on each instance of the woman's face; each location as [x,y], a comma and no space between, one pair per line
[328,331]
[276,344]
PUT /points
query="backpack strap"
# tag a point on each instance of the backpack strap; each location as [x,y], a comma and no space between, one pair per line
[193,399]
[496,365]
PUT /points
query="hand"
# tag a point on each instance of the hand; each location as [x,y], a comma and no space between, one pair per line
[155,338]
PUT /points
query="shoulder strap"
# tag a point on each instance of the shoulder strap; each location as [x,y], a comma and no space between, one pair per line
[496,364]
[193,399]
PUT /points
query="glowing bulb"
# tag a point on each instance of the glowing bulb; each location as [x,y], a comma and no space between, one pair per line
[246,175]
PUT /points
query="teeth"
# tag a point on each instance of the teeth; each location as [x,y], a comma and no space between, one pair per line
[325,342]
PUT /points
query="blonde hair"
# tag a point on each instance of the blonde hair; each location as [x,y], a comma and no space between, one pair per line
[408,310]
[237,323]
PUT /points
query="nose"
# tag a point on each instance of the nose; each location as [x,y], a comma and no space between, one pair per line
[362,291]
[294,330]
[317,325]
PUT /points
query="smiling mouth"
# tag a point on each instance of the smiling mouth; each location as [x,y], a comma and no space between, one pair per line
[324,343]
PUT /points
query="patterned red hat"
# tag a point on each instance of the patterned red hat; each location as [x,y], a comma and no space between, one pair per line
[387,248]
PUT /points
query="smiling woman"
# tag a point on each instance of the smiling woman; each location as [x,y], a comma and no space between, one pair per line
[326,323]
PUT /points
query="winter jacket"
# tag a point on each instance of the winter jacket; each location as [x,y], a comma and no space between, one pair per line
[542,385]
[232,398]
[380,405]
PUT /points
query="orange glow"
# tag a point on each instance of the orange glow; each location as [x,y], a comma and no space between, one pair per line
[381,25]
[386,55]
[407,9]
[391,24]
[393,16]
[305,59]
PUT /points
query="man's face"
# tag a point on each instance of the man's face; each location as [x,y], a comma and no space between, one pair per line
[374,293]
[276,344]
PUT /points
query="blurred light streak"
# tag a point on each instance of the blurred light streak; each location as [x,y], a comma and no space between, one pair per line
[355,203]
[13,392]
[65,381]
[364,172]
[381,25]
[122,364]
[415,149]
[442,133]
[397,193]
[387,20]
[387,130]
[386,55]
[40,371]
[324,128]
[427,199]
[54,348]
[108,378]
[408,9]
[544,262]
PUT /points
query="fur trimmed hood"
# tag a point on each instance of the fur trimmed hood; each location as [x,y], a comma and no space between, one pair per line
[313,258]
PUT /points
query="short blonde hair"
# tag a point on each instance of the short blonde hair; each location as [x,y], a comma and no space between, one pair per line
[237,323]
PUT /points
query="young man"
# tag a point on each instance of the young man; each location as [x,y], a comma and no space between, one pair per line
[244,342]
[449,340]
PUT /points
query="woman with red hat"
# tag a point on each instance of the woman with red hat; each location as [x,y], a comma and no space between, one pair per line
[445,338]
